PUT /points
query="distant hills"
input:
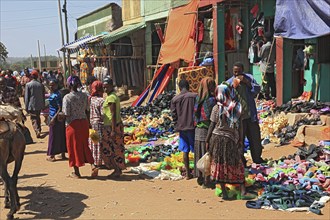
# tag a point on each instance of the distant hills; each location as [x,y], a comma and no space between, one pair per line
[16,59]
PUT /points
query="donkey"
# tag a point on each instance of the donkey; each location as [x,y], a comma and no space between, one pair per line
[12,148]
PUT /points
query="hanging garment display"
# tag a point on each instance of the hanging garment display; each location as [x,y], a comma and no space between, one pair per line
[229,36]
[100,73]
[83,72]
[194,75]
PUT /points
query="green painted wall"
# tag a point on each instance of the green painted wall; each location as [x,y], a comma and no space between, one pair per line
[324,82]
[256,73]
[148,42]
[221,43]
[287,69]
[94,22]
[177,3]
[154,7]
[268,7]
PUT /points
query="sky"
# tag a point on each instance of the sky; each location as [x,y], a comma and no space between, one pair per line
[24,22]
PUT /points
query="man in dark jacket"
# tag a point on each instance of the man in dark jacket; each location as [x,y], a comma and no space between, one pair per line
[35,101]
[182,108]
[247,91]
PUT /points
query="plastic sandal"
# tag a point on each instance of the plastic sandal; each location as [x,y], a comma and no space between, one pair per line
[254,204]
[278,204]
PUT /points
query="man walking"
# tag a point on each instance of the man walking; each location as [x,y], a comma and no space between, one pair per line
[267,59]
[247,90]
[35,101]
[182,108]
[25,79]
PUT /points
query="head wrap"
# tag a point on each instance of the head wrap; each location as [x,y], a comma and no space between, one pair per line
[107,80]
[204,89]
[204,100]
[73,81]
[35,73]
[228,105]
[97,88]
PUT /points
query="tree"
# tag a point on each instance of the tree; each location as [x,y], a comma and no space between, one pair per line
[3,52]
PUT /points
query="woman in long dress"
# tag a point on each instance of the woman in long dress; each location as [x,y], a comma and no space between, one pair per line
[77,128]
[113,131]
[96,121]
[56,141]
[225,141]
[205,101]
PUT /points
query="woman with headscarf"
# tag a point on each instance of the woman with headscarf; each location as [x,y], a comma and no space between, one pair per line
[113,131]
[224,140]
[96,121]
[56,141]
[204,103]
[75,105]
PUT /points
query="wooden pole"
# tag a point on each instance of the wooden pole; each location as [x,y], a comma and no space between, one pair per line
[45,57]
[67,34]
[39,60]
[62,36]
[317,82]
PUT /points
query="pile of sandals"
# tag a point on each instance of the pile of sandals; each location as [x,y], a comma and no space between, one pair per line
[298,181]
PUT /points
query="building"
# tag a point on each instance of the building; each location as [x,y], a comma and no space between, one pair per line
[104,19]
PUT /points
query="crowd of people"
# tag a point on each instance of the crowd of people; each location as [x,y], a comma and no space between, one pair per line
[217,120]
[72,110]
[214,120]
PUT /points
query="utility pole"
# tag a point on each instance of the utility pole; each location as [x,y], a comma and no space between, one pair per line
[39,57]
[45,56]
[64,10]
[62,35]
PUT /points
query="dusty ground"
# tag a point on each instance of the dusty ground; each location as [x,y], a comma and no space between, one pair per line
[46,193]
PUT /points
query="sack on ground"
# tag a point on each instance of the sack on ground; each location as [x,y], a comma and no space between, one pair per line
[204,164]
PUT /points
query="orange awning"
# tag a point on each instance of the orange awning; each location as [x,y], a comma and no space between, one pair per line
[178,43]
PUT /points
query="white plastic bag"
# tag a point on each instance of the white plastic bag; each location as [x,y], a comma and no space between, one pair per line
[204,164]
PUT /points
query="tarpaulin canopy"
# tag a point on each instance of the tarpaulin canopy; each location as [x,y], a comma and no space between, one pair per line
[302,19]
[79,43]
[178,43]
[122,32]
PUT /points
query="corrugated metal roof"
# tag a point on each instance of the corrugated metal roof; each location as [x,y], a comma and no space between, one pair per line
[122,32]
[80,43]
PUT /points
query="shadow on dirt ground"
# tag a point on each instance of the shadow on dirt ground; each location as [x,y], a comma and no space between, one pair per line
[126,176]
[26,176]
[36,152]
[47,203]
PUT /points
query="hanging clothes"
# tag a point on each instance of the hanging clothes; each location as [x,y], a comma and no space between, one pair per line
[83,72]
[229,35]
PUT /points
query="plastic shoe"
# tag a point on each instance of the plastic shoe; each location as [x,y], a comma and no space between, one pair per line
[260,178]
[315,210]
[302,203]
[278,204]
[254,204]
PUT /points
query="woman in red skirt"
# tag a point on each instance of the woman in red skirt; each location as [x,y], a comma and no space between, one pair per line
[77,128]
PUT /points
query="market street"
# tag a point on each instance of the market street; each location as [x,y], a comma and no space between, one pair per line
[47,193]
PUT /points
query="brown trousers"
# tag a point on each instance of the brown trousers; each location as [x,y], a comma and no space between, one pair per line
[36,121]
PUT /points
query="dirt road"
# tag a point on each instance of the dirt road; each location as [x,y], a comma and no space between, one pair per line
[47,193]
